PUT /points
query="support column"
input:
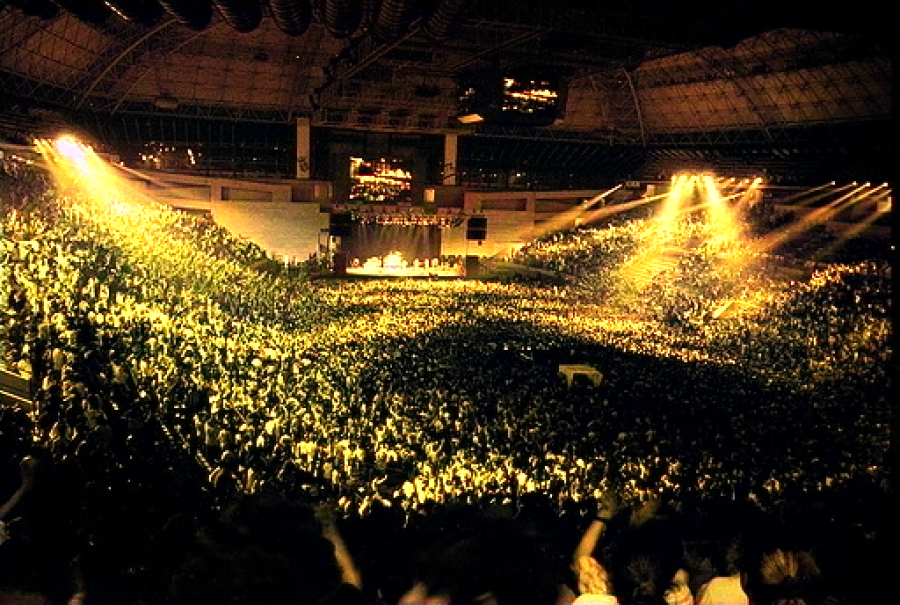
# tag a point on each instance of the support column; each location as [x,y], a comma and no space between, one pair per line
[451,141]
[304,147]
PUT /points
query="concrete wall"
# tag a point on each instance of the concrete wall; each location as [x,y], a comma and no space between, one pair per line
[513,218]
[285,230]
[284,217]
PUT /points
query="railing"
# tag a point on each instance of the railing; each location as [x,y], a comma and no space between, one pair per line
[14,390]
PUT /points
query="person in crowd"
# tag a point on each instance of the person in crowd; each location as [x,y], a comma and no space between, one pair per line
[29,469]
[785,577]
[11,536]
[727,528]
[725,587]
[268,549]
[351,589]
[594,586]
[648,564]
[32,569]
[489,561]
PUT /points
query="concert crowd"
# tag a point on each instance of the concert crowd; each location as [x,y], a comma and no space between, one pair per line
[189,395]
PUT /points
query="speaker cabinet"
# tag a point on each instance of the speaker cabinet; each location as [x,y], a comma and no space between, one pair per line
[476,228]
[339,224]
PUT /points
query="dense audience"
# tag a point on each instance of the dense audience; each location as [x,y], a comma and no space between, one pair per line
[188,400]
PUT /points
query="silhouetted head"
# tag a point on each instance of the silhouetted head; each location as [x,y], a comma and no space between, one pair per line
[263,549]
[494,562]
[783,576]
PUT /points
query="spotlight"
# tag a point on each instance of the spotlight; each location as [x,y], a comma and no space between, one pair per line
[71,149]
[470,118]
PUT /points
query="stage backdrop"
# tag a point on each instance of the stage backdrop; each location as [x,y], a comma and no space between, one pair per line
[415,241]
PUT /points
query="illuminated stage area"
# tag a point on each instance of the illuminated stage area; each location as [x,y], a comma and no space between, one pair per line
[394,265]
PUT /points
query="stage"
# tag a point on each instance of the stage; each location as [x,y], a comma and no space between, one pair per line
[394,265]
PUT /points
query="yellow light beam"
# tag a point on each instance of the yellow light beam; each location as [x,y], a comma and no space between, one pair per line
[608,211]
[852,232]
[805,222]
[572,217]
[817,194]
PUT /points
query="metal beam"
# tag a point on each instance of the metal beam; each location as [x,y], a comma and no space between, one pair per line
[17,33]
[637,106]
[180,37]
[520,39]
[357,57]
[132,51]
[207,112]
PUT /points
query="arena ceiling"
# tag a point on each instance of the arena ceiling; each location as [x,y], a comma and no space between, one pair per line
[632,71]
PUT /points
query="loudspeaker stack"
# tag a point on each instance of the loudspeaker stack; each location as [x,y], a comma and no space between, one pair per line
[339,224]
[476,228]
